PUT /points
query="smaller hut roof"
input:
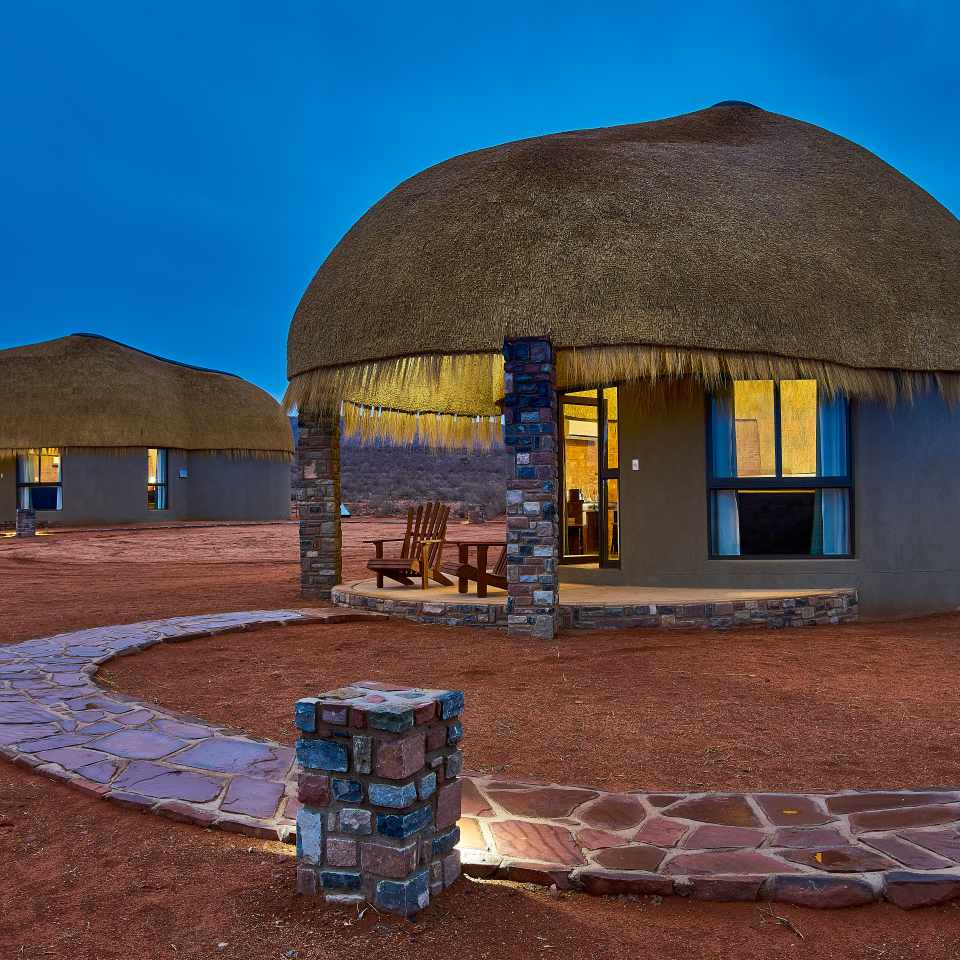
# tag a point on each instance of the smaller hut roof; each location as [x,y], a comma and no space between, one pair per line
[84,390]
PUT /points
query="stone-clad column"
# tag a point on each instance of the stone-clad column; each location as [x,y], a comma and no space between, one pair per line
[318,504]
[380,790]
[26,522]
[530,432]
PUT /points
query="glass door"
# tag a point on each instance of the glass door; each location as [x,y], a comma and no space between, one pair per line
[591,477]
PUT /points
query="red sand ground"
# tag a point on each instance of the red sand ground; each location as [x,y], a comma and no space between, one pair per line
[83,879]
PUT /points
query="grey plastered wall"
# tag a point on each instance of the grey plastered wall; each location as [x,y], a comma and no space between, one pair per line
[100,487]
[8,489]
[228,488]
[906,504]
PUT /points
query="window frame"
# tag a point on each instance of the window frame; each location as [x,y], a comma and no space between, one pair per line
[40,483]
[163,457]
[604,473]
[779,482]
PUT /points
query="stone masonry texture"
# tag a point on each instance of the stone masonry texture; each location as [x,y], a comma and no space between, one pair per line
[533,531]
[26,522]
[380,793]
[317,492]
[810,610]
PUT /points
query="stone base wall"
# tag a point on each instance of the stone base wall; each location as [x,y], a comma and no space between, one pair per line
[839,606]
[381,792]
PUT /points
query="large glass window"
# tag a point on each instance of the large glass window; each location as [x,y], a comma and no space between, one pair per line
[589,421]
[39,484]
[780,483]
[156,479]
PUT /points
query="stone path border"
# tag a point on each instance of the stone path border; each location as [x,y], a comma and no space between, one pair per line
[822,850]
[804,610]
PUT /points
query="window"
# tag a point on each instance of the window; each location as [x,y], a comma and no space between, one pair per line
[589,422]
[780,479]
[156,479]
[38,480]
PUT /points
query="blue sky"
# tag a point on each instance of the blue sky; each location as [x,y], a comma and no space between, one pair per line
[174,173]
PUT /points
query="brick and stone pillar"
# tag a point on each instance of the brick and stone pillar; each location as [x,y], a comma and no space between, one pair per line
[380,789]
[26,522]
[530,432]
[318,504]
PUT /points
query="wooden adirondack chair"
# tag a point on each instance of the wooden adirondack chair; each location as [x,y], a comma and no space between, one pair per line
[421,552]
[465,571]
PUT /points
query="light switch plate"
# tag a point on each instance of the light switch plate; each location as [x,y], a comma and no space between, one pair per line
[634,464]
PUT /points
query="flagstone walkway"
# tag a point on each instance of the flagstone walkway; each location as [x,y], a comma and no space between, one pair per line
[830,850]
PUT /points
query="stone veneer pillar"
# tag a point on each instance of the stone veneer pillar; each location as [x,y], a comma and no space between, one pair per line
[530,432]
[26,522]
[318,504]
[380,791]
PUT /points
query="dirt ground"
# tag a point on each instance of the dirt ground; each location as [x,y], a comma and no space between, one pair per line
[83,879]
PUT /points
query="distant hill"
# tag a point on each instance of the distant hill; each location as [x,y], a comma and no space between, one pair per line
[385,479]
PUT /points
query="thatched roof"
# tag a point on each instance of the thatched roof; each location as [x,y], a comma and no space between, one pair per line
[88,391]
[730,241]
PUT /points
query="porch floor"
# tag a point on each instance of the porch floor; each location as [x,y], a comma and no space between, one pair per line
[584,594]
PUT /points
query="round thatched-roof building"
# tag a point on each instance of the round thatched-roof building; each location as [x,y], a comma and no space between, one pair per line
[791,302]
[731,241]
[92,430]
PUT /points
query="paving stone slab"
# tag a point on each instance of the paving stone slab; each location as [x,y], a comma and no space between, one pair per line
[731,810]
[834,850]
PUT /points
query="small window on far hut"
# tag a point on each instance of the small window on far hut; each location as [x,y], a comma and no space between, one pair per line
[39,483]
[156,479]
[779,471]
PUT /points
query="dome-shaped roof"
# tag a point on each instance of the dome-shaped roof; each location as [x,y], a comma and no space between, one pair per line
[87,391]
[730,240]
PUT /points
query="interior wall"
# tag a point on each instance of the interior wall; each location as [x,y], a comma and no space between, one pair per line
[906,510]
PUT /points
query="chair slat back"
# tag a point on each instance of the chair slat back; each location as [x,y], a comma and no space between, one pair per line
[432,526]
[500,567]
[413,521]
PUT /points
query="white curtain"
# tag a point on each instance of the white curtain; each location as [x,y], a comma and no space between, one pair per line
[835,522]
[726,520]
[27,469]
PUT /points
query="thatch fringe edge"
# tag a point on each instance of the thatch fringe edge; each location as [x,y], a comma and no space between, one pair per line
[448,431]
[460,394]
[592,366]
[280,456]
[468,383]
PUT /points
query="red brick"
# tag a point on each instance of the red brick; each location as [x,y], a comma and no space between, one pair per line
[448,804]
[436,736]
[341,852]
[388,861]
[399,759]
[313,789]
